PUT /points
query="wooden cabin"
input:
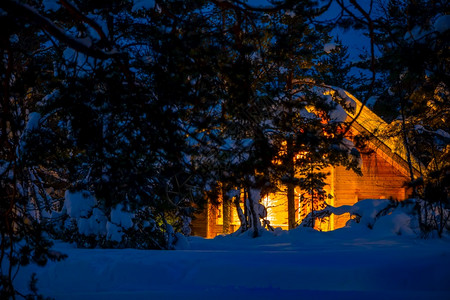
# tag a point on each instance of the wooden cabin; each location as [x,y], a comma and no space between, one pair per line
[385,171]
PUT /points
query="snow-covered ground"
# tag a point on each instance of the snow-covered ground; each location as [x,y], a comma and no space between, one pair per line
[300,264]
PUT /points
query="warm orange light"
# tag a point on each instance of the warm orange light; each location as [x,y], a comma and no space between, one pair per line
[328,134]
[301,155]
[283,151]
[268,203]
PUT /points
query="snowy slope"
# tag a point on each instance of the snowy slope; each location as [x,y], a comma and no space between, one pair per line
[292,265]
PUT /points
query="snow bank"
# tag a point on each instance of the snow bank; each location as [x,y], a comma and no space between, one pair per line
[377,256]
[386,217]
[377,217]
[399,223]
[368,211]
[285,265]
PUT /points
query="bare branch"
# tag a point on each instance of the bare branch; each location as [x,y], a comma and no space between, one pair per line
[75,12]
[32,16]
[370,24]
[349,12]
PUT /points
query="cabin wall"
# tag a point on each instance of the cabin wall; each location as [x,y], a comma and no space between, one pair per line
[199,224]
[209,222]
[381,180]
[276,205]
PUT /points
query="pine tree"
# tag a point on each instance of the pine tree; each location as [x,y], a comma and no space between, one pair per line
[412,74]
[27,186]
[419,87]
[306,132]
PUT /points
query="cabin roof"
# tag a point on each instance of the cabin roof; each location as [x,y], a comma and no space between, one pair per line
[391,148]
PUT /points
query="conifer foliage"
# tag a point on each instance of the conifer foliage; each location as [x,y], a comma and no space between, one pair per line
[119,118]
[412,75]
[410,84]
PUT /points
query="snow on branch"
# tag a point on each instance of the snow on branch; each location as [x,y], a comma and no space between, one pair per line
[32,16]
[75,12]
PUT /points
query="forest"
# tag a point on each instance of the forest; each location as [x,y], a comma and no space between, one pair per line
[121,119]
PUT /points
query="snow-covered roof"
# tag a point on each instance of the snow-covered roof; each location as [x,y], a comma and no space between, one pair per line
[390,148]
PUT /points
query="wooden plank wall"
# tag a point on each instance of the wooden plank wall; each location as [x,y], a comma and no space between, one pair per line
[276,205]
[199,225]
[209,222]
[380,180]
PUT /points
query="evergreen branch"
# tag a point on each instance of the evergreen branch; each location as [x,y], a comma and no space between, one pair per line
[75,12]
[370,24]
[349,12]
[32,16]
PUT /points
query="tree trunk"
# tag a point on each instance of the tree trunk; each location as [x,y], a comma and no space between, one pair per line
[291,205]
[240,213]
[226,209]
[408,152]
[312,210]
[253,201]
[290,185]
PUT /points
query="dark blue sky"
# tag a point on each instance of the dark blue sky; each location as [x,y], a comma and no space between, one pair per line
[355,40]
